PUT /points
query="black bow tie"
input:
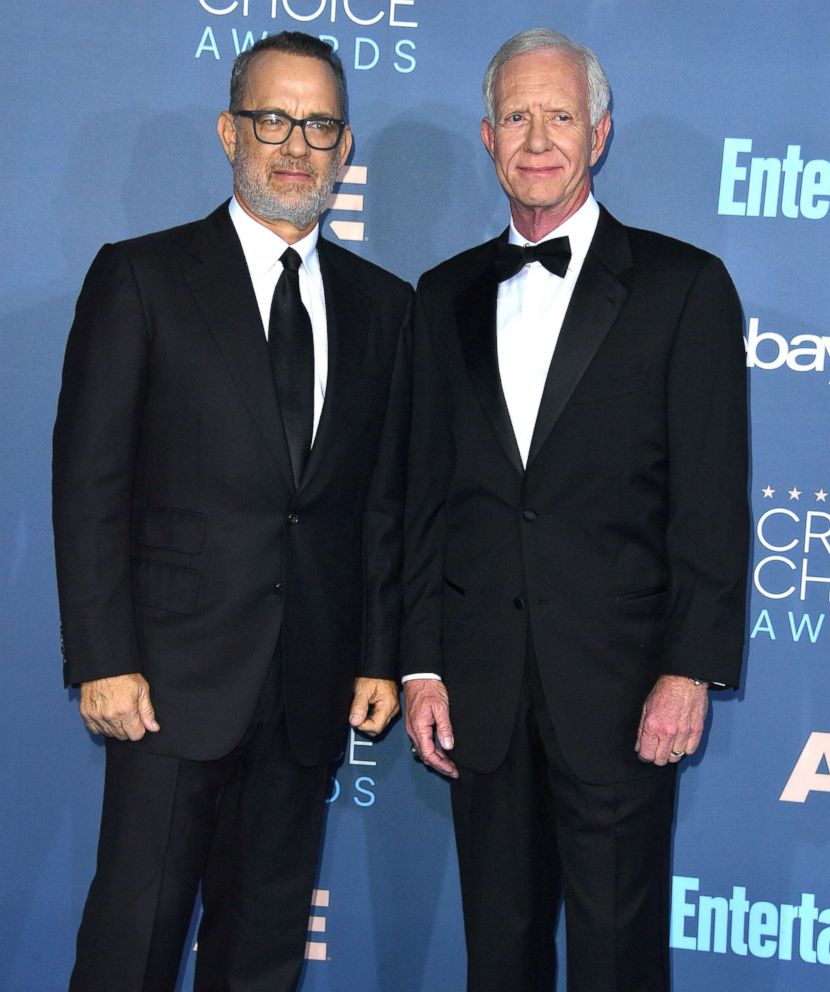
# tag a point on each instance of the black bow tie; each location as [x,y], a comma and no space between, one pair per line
[554,255]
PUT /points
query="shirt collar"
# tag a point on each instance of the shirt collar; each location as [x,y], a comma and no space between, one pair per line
[579,228]
[262,247]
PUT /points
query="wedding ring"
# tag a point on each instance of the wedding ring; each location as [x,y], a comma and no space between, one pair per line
[678,754]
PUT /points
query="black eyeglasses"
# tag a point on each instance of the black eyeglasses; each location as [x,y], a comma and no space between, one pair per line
[272,127]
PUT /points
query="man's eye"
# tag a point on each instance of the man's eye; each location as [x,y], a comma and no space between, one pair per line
[322,126]
[272,121]
[514,119]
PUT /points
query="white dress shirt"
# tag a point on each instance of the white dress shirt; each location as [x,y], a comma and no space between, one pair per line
[529,314]
[262,249]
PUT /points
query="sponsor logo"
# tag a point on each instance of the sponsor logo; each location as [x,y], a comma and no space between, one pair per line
[348,230]
[734,924]
[770,350]
[792,562]
[386,19]
[755,186]
[316,949]
[811,772]
[360,788]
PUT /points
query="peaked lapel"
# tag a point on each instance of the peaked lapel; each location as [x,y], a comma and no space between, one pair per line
[596,301]
[348,317]
[221,283]
[475,315]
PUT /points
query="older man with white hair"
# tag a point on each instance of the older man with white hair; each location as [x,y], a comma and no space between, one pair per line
[576,541]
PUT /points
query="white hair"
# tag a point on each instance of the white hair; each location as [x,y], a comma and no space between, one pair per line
[599,91]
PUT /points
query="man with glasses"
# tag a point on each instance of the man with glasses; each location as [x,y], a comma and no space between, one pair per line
[227,502]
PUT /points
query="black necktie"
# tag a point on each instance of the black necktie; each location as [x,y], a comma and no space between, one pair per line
[291,347]
[554,255]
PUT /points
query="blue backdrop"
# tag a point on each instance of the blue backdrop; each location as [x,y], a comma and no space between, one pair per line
[720,138]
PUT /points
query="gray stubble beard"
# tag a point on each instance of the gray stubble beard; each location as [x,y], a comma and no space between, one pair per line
[266,203]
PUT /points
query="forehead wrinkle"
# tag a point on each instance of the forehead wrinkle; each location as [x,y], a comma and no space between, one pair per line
[527,77]
[272,87]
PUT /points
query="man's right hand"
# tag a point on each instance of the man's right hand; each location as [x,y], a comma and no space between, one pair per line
[118,707]
[428,716]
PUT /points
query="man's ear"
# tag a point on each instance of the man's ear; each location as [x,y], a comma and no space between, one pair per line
[488,136]
[599,136]
[345,145]
[226,128]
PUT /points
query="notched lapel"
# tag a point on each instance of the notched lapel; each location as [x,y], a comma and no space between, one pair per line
[475,315]
[222,286]
[595,304]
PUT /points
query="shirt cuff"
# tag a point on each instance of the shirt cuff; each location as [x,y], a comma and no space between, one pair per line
[421,675]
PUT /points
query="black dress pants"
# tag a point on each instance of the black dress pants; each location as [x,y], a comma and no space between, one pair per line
[529,835]
[247,826]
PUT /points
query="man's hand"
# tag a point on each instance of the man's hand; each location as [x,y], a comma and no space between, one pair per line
[118,707]
[375,703]
[672,720]
[428,715]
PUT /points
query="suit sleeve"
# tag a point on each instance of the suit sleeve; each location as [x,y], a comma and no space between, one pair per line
[428,477]
[95,443]
[708,525]
[383,532]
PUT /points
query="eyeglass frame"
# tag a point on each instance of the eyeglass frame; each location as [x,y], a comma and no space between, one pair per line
[254,115]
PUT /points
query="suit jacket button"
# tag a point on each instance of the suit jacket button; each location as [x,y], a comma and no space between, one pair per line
[293,518]
[530,515]
[278,588]
[519,603]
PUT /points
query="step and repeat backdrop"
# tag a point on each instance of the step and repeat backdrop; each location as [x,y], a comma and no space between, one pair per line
[720,138]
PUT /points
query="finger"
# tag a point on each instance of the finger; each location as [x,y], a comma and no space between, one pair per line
[93,726]
[133,731]
[382,712]
[436,759]
[359,710]
[146,713]
[124,726]
[422,736]
[443,728]
[360,704]
[663,753]
[691,744]
[646,746]
[123,730]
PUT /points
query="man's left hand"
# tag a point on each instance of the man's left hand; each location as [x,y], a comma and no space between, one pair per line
[375,703]
[672,720]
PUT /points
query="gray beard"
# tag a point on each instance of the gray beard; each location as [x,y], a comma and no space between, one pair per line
[301,210]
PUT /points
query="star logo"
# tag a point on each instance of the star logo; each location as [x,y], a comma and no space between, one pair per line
[795,493]
[821,496]
[768,492]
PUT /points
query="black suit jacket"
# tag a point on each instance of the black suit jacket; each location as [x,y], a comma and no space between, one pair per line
[622,548]
[183,550]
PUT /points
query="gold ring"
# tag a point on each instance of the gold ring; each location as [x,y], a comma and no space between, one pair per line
[678,754]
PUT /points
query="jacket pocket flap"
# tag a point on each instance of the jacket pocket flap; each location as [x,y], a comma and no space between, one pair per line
[165,587]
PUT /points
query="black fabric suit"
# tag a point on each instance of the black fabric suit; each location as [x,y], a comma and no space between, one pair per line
[619,553]
[183,550]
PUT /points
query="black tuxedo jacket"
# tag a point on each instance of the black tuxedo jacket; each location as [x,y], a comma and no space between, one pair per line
[183,549]
[621,549]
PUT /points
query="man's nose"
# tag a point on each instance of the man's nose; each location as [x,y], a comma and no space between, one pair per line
[296,146]
[537,138]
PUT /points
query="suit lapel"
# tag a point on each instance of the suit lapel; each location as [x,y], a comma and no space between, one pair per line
[596,301]
[348,316]
[222,286]
[475,315]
